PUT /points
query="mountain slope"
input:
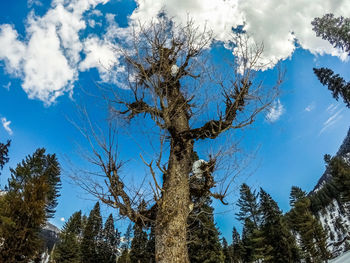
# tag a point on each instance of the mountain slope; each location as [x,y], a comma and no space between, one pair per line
[335,217]
[344,152]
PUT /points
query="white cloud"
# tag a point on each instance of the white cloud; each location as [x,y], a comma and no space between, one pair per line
[12,50]
[310,107]
[62,219]
[48,58]
[6,125]
[7,86]
[275,23]
[333,119]
[332,108]
[100,54]
[47,61]
[31,3]
[275,112]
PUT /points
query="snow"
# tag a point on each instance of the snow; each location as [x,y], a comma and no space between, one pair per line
[345,258]
[330,217]
[196,168]
[174,70]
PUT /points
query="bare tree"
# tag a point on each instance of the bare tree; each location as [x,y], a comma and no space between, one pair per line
[168,75]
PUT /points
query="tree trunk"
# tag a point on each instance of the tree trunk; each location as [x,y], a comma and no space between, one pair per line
[171,225]
[174,206]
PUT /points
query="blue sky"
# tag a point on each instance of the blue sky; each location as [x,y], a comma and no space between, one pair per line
[53,53]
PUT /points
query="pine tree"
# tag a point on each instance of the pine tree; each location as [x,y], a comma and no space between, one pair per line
[236,247]
[139,245]
[312,236]
[295,195]
[39,165]
[337,31]
[248,205]
[226,251]
[138,253]
[128,236]
[340,172]
[32,196]
[108,247]
[336,84]
[125,257]
[253,247]
[67,250]
[151,245]
[247,240]
[92,236]
[4,151]
[204,244]
[262,249]
[276,233]
[22,214]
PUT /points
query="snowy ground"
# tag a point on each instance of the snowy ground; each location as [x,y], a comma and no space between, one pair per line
[345,258]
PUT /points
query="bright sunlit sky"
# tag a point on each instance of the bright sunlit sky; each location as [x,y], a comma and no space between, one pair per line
[53,54]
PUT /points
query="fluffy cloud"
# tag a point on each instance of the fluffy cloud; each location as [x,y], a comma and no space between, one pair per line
[12,50]
[275,112]
[6,125]
[49,58]
[278,24]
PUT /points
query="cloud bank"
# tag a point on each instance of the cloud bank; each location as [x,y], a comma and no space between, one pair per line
[50,56]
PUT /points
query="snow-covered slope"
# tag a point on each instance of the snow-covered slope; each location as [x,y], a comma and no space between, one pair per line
[335,218]
[345,258]
[336,221]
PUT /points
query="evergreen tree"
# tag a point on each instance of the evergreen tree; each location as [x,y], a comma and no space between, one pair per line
[312,236]
[92,236]
[226,251]
[253,247]
[67,250]
[39,165]
[139,246]
[128,237]
[248,205]
[236,247]
[337,31]
[151,245]
[340,172]
[22,214]
[295,195]
[276,233]
[125,257]
[108,247]
[204,244]
[247,241]
[138,253]
[4,151]
[336,84]
[30,200]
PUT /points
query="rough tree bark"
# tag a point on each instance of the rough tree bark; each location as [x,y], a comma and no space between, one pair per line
[163,59]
